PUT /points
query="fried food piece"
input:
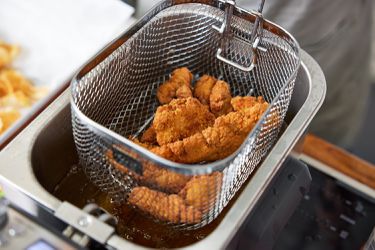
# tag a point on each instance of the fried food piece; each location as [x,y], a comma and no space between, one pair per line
[16,91]
[220,99]
[7,53]
[7,118]
[13,82]
[243,103]
[203,88]
[170,208]
[178,85]
[163,179]
[181,118]
[149,136]
[215,93]
[144,144]
[218,141]
[201,191]
[152,176]
[184,92]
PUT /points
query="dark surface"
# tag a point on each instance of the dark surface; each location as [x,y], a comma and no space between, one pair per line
[364,145]
[329,217]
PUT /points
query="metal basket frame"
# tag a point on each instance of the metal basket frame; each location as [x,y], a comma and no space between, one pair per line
[236,167]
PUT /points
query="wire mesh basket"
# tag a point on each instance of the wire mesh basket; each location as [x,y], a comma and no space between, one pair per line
[114,96]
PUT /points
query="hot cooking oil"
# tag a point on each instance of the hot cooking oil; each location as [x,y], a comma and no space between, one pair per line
[132,224]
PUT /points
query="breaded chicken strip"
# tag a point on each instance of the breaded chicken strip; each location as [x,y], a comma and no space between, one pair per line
[149,136]
[220,98]
[218,141]
[170,208]
[202,190]
[203,88]
[243,103]
[179,85]
[152,176]
[181,118]
[215,93]
[163,179]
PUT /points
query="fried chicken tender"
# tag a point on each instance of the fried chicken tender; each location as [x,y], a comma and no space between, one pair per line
[201,191]
[181,118]
[170,208]
[215,93]
[179,85]
[152,176]
[184,92]
[144,144]
[163,179]
[243,103]
[220,140]
[203,88]
[220,99]
[149,136]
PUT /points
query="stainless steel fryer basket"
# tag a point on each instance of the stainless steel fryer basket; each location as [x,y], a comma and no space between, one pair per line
[114,95]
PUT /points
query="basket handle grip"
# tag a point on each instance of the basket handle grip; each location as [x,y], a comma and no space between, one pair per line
[237,65]
[226,34]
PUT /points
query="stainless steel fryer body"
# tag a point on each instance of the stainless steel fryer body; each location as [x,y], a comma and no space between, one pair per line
[30,165]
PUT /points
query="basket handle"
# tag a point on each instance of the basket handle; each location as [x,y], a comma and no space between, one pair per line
[226,34]
[237,65]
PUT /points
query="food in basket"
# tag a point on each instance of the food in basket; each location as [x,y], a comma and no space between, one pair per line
[218,141]
[181,118]
[201,191]
[215,93]
[164,207]
[163,179]
[220,99]
[203,88]
[152,176]
[207,127]
[149,136]
[16,92]
[179,85]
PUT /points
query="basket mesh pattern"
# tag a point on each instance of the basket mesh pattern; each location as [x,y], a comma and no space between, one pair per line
[119,94]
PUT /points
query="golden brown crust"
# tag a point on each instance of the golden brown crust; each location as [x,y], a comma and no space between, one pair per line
[171,208]
[201,191]
[183,92]
[149,136]
[152,176]
[163,179]
[242,103]
[218,141]
[168,90]
[220,98]
[181,118]
[203,88]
